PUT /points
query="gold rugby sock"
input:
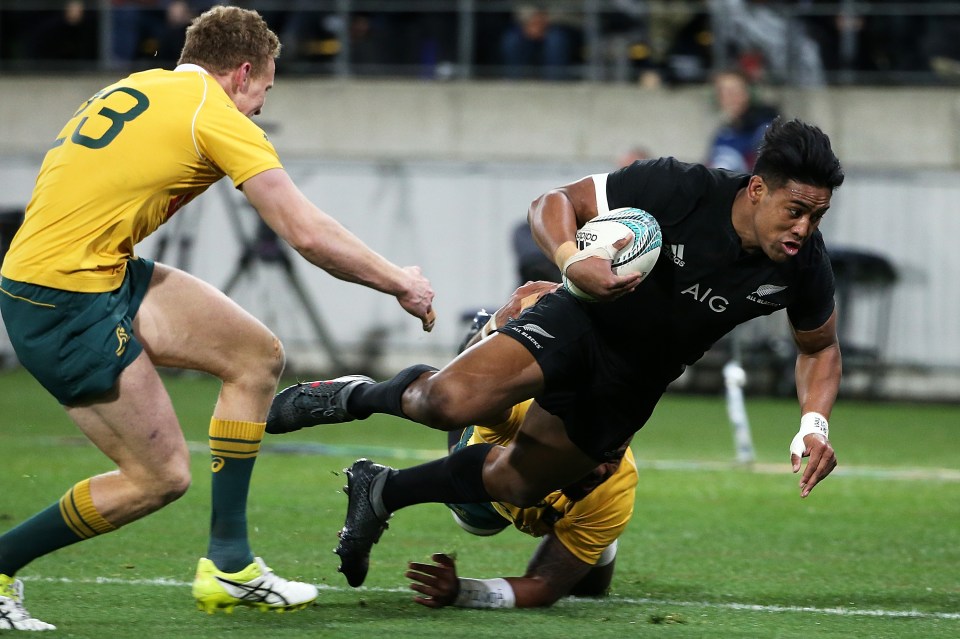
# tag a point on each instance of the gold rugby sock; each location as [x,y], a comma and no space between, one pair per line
[72,519]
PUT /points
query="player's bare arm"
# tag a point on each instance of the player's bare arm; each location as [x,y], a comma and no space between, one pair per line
[325,242]
[818,374]
[554,218]
[552,573]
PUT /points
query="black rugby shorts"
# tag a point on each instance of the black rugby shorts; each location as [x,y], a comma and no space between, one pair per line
[602,396]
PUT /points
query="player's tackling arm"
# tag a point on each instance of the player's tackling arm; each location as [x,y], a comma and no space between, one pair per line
[818,372]
[553,572]
[326,243]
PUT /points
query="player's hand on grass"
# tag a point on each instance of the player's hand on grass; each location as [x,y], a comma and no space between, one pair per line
[417,297]
[821,460]
[437,583]
[595,277]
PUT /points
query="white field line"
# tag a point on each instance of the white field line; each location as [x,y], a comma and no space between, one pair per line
[577,601]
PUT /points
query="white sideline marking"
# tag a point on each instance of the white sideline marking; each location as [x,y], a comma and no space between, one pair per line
[837,611]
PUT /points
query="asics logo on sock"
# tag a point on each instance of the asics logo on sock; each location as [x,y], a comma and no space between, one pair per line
[216,464]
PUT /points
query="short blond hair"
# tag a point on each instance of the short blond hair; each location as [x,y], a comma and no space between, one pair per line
[222,38]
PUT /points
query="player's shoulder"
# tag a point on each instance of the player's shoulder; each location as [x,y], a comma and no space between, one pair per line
[672,174]
[814,253]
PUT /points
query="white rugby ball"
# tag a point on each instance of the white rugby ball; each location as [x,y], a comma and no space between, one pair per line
[639,256]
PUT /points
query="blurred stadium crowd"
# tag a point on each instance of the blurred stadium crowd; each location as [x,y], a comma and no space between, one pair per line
[650,42]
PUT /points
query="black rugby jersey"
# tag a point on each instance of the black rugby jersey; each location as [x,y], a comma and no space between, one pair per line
[704,284]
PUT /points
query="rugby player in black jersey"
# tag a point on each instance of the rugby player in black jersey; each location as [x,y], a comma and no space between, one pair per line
[741,245]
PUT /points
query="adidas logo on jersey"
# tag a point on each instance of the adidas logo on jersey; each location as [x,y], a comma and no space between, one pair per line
[677,250]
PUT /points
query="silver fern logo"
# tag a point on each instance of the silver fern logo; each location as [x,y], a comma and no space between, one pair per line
[533,328]
[529,332]
[765,291]
[769,289]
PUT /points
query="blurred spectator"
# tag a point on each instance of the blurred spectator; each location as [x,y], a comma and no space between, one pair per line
[743,122]
[840,35]
[308,35]
[689,54]
[631,155]
[625,42]
[65,38]
[941,45]
[174,33]
[539,44]
[657,41]
[768,44]
[132,22]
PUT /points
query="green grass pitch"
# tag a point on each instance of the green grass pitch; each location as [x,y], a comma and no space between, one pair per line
[714,549]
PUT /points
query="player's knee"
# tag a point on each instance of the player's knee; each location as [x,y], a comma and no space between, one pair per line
[259,372]
[171,486]
[278,358]
[441,402]
[270,358]
[176,487]
[161,489]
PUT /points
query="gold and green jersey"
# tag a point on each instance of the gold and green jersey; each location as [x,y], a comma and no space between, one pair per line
[127,160]
[585,527]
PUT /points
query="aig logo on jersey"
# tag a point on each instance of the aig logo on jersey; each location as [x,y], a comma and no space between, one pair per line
[715,303]
[763,291]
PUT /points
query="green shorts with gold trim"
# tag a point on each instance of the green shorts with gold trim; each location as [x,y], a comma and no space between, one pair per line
[75,344]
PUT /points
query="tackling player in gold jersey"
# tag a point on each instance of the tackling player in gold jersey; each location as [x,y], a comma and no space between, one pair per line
[579,527]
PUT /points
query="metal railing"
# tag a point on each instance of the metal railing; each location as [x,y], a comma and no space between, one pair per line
[788,43]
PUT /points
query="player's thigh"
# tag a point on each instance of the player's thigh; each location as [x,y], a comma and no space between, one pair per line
[540,459]
[135,424]
[483,382]
[185,322]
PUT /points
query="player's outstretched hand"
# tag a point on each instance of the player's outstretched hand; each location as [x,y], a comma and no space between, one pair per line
[417,297]
[437,583]
[821,460]
[523,298]
[595,276]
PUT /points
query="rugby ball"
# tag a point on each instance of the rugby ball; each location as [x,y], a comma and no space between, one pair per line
[638,256]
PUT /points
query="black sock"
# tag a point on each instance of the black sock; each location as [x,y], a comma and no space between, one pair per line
[384,397]
[457,479]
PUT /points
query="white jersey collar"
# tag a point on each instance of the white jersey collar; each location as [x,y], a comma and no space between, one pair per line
[191,67]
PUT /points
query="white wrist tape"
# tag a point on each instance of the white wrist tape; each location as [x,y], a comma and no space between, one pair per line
[489,327]
[485,593]
[609,554]
[810,423]
[606,252]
